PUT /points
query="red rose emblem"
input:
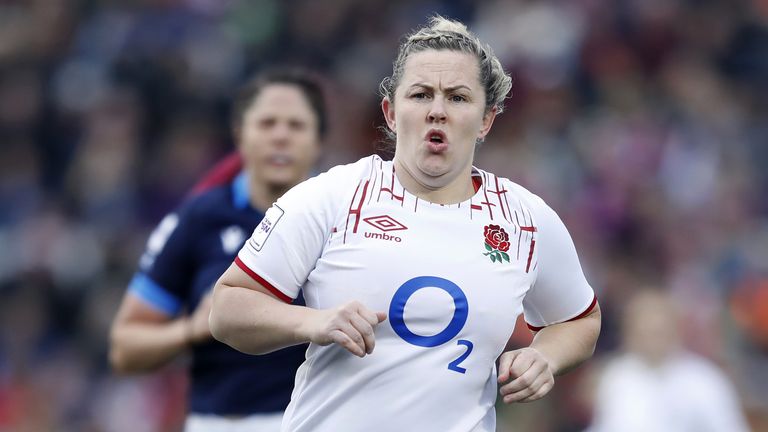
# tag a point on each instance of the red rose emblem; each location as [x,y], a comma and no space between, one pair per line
[496,238]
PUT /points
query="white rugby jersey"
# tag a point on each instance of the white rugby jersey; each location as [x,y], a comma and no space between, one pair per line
[451,278]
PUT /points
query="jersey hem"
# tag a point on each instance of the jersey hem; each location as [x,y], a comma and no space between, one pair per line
[581,315]
[271,288]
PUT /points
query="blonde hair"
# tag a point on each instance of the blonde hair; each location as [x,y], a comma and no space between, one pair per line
[445,34]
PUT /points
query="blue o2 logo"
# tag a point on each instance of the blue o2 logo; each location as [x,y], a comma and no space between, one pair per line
[406,290]
[460,313]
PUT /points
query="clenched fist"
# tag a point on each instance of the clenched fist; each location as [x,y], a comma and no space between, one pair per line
[350,325]
[529,374]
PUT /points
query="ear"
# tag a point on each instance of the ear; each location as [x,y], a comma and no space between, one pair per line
[388,108]
[488,119]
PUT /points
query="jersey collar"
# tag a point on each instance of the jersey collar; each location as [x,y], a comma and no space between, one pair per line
[240,196]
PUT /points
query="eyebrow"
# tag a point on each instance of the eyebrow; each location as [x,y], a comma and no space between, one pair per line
[447,89]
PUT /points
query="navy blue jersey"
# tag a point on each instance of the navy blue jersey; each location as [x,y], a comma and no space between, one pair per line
[185,255]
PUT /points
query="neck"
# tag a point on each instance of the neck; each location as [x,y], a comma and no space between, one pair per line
[437,190]
[261,195]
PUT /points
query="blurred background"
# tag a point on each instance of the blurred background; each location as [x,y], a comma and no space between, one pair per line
[643,123]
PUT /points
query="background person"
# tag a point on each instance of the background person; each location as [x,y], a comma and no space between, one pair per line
[279,120]
[655,384]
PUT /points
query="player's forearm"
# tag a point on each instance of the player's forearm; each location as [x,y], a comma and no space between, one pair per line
[253,322]
[568,344]
[142,347]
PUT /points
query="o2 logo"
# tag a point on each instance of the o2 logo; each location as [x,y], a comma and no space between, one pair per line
[461,311]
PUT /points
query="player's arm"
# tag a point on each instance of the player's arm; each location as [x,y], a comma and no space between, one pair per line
[148,330]
[143,338]
[564,311]
[251,319]
[568,344]
[251,308]
[555,350]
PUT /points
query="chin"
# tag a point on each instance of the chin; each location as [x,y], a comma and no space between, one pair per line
[433,168]
[282,181]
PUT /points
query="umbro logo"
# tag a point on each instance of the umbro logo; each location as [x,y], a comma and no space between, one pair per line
[384,223]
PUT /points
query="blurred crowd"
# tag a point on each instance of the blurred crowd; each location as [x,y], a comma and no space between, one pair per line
[641,122]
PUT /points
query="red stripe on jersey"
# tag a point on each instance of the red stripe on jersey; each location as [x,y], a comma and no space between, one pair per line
[581,315]
[506,200]
[356,211]
[271,288]
[372,176]
[519,235]
[488,203]
[381,184]
[391,188]
[499,193]
[349,213]
[530,255]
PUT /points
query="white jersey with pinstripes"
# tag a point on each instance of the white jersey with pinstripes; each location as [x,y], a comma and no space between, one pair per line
[452,279]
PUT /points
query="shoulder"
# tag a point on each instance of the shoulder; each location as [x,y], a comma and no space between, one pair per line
[518,194]
[174,233]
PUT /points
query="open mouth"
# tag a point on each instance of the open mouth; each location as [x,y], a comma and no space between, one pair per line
[436,140]
[436,136]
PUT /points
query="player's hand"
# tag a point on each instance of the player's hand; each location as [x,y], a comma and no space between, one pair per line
[350,325]
[528,374]
[199,330]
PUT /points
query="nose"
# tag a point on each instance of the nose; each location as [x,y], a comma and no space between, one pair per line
[280,134]
[437,110]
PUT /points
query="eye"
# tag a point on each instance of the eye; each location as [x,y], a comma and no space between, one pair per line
[419,95]
[267,122]
[297,125]
[458,98]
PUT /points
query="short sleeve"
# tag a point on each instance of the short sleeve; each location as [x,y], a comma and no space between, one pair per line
[560,292]
[287,243]
[162,280]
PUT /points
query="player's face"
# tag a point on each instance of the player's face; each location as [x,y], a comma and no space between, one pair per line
[279,137]
[438,115]
[650,328]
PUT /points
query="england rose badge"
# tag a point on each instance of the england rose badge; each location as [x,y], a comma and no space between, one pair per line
[496,243]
